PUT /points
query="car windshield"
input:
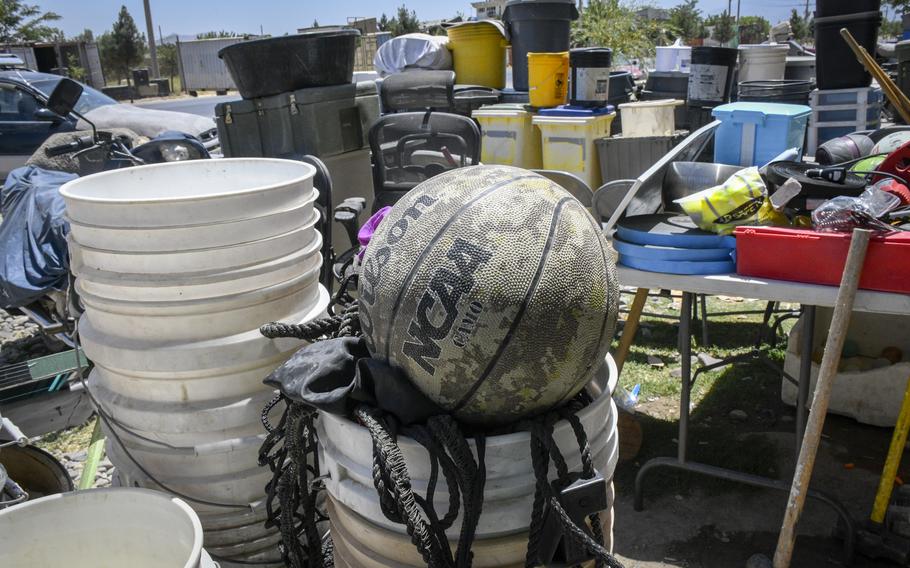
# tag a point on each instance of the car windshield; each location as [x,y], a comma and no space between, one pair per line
[89,100]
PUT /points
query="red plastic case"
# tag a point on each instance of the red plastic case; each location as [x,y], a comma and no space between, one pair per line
[819,258]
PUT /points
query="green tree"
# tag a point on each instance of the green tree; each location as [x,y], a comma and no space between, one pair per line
[403,22]
[899,6]
[686,19]
[723,28]
[167,60]
[74,69]
[26,22]
[123,47]
[614,23]
[315,23]
[86,36]
[798,25]
[753,29]
[891,28]
[216,35]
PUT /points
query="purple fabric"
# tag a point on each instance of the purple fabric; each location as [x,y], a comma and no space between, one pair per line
[366,231]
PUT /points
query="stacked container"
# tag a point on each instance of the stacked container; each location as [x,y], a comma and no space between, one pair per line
[839,112]
[363,536]
[177,267]
[509,136]
[568,138]
[753,134]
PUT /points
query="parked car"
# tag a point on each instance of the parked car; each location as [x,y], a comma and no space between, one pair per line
[25,123]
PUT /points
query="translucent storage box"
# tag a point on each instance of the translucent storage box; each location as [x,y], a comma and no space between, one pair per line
[753,134]
[509,137]
[568,137]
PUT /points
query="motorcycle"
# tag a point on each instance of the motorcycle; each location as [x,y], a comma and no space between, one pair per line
[35,279]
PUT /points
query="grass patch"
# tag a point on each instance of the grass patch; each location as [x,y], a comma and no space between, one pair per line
[69,440]
[715,437]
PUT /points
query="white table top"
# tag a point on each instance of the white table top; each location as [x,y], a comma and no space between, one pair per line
[763,289]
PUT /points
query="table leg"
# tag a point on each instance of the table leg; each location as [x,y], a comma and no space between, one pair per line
[807,338]
[685,354]
[630,327]
[704,320]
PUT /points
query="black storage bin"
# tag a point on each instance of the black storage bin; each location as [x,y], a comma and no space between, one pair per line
[628,158]
[323,121]
[271,66]
[536,26]
[676,82]
[779,91]
[836,65]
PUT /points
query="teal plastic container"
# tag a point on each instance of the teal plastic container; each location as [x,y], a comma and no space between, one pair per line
[753,134]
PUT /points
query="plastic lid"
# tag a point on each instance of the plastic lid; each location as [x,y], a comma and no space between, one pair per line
[774,109]
[569,110]
[658,103]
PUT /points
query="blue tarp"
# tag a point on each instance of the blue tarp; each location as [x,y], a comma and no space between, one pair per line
[32,235]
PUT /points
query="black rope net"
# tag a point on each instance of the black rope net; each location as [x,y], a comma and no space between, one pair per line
[295,496]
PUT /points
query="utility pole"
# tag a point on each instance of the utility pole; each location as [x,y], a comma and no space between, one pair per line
[150,28]
[806,13]
[738,3]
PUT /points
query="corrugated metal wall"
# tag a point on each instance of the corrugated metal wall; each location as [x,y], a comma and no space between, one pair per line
[201,69]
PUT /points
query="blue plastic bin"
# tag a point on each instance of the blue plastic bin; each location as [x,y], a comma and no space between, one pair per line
[752,134]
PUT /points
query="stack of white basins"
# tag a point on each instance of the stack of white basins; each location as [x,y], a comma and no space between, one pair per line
[177,267]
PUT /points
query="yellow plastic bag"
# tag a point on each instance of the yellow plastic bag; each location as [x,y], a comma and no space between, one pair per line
[741,200]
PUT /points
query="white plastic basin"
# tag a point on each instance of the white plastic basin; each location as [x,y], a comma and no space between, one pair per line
[102,528]
[197,320]
[177,263]
[188,193]
[196,236]
[202,285]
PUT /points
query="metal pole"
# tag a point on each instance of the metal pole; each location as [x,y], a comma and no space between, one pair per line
[807,335]
[150,28]
[685,354]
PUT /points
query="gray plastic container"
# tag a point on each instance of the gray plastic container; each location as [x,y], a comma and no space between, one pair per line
[322,121]
[536,26]
[628,158]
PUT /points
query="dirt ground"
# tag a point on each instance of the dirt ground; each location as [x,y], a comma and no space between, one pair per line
[698,522]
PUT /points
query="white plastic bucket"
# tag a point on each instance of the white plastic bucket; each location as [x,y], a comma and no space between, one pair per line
[103,527]
[197,320]
[200,285]
[762,62]
[192,261]
[649,118]
[509,489]
[673,58]
[196,236]
[196,192]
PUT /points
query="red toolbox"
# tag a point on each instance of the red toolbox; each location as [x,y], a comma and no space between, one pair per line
[819,258]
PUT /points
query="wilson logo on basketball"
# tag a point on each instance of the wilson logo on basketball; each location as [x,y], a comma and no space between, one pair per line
[372,270]
[441,300]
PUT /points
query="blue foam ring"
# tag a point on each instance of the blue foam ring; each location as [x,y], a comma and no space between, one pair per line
[678,267]
[654,252]
[707,240]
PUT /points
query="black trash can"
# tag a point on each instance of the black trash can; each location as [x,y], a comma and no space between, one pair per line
[836,65]
[537,26]
[776,91]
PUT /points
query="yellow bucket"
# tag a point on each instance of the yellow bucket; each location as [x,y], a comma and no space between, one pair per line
[548,78]
[479,54]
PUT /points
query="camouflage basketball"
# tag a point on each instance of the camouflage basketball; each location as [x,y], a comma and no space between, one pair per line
[493,289]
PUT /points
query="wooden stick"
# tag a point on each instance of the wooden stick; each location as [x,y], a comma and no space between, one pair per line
[894,94]
[630,328]
[843,308]
[892,461]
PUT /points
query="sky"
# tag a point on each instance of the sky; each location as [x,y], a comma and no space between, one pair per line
[277,17]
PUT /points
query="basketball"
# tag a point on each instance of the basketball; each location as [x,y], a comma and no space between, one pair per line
[493,290]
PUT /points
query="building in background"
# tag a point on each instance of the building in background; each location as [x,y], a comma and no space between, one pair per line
[489,9]
[62,58]
[651,13]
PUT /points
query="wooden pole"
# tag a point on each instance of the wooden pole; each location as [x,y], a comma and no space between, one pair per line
[630,327]
[843,308]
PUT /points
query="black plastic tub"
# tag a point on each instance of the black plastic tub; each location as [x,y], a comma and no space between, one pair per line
[779,91]
[270,66]
[836,66]
[537,26]
[711,75]
[621,88]
[826,8]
